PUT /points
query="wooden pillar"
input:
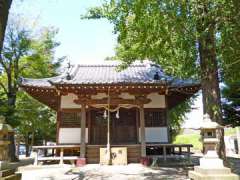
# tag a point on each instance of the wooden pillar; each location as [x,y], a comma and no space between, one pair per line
[83,131]
[167,119]
[58,126]
[142,132]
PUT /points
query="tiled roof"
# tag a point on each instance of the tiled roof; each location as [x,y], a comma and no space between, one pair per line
[139,73]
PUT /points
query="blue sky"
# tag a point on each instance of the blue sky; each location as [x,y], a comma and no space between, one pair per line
[82,41]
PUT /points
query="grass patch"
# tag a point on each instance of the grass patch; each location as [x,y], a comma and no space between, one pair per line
[230,131]
[193,139]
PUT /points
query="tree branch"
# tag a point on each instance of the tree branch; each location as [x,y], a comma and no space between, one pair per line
[4,88]
[3,63]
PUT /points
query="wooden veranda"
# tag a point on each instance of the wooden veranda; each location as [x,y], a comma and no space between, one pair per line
[63,153]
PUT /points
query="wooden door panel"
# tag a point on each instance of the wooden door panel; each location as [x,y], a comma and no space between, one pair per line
[98,133]
[122,130]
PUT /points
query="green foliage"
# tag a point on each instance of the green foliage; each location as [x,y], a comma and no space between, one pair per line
[28,55]
[229,43]
[147,30]
[231,104]
[41,62]
[173,34]
[194,139]
[36,119]
[230,56]
[177,116]
[230,131]
[160,31]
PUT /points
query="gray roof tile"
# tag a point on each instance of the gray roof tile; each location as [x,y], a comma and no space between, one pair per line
[140,73]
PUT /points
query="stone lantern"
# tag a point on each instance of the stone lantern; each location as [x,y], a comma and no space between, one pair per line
[211,166]
[5,130]
[209,134]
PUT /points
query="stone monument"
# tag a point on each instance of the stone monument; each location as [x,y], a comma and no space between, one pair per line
[5,129]
[211,166]
[209,134]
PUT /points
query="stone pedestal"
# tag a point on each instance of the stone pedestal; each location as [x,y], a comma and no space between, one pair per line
[4,165]
[5,129]
[5,171]
[212,168]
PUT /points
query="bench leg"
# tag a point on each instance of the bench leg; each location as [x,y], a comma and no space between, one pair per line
[35,158]
[164,153]
[180,150]
[61,157]
[72,162]
[188,152]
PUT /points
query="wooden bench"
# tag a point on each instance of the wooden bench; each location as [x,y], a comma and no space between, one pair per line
[60,158]
[172,146]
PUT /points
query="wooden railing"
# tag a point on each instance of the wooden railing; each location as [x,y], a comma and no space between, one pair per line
[172,148]
[92,157]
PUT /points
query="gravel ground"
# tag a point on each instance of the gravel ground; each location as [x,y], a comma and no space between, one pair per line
[100,172]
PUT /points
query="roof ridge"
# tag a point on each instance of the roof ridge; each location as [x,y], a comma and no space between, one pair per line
[109,65]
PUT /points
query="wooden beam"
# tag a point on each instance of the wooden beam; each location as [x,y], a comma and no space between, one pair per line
[83,131]
[142,131]
[114,101]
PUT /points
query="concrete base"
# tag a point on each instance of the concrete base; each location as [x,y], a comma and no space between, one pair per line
[4,165]
[201,176]
[212,168]
[212,171]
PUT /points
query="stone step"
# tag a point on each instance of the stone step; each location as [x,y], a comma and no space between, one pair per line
[212,171]
[12,177]
[198,176]
[6,172]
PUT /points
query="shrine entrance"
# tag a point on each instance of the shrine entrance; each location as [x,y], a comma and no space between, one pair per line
[123,127]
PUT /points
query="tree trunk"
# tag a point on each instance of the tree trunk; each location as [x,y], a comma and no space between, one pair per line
[209,73]
[27,144]
[45,150]
[12,148]
[10,120]
[4,10]
[32,141]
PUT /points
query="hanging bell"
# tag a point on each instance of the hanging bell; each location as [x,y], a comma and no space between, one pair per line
[105,114]
[117,114]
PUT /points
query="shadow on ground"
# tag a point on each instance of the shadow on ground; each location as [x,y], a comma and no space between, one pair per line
[127,172]
[234,164]
[163,173]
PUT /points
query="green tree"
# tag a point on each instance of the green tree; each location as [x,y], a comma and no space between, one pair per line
[24,55]
[231,104]
[16,45]
[188,39]
[37,122]
[230,55]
